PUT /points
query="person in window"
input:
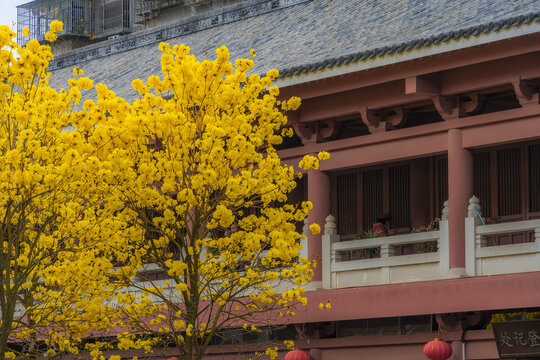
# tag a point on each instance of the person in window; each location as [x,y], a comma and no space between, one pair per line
[380,228]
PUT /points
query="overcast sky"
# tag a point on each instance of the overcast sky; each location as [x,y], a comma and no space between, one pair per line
[8,11]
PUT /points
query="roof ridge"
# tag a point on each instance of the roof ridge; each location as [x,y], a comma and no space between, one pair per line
[416,43]
[171,30]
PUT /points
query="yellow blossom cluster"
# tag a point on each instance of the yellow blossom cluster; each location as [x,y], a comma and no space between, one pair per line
[206,184]
[61,237]
[55,27]
[312,162]
[323,306]
[186,180]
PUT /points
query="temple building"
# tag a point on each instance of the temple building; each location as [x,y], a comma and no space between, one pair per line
[430,111]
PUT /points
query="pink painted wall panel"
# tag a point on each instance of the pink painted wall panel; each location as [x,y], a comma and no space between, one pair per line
[430,297]
[480,350]
[502,132]
[398,352]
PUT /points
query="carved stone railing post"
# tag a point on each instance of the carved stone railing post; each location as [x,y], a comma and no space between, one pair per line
[443,243]
[475,211]
[329,256]
[305,230]
[472,240]
[387,250]
[446,210]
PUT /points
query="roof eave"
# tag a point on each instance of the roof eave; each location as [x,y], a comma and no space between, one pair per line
[408,55]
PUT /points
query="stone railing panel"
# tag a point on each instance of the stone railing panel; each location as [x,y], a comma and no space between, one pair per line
[504,259]
[387,268]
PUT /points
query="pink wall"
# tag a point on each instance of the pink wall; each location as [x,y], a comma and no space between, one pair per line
[512,291]
[319,195]
[478,131]
[479,345]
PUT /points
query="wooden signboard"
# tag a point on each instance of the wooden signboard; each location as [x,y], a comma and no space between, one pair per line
[518,339]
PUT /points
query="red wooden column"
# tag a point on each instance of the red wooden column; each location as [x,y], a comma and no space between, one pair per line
[319,195]
[460,189]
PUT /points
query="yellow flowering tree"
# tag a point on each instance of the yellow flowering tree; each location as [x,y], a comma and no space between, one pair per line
[183,185]
[202,177]
[59,238]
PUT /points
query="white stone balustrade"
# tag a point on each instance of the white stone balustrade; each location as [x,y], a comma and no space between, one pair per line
[329,238]
[482,259]
[386,269]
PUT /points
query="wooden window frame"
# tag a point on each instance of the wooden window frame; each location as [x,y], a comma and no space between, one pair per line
[359,224]
[524,183]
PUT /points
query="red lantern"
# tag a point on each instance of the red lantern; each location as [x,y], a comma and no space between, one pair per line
[298,355]
[437,350]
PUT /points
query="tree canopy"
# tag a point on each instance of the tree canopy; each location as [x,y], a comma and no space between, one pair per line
[58,240]
[166,217]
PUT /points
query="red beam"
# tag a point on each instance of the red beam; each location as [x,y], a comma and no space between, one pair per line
[499,292]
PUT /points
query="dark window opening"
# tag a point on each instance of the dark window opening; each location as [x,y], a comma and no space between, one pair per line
[372,194]
[351,128]
[534,178]
[507,182]
[399,193]
[346,199]
[482,181]
[498,101]
[440,185]
[413,194]
[266,334]
[419,116]
[404,325]
[362,196]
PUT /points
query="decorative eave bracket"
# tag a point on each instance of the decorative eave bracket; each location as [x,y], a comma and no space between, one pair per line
[454,107]
[398,118]
[310,132]
[331,129]
[373,120]
[525,92]
[378,121]
[306,132]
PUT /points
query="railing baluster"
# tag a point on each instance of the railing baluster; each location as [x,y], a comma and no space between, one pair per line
[473,240]
[387,250]
[329,255]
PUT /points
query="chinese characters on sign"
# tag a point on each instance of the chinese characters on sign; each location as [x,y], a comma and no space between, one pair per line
[518,338]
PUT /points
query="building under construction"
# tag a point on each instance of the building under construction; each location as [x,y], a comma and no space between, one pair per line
[86,21]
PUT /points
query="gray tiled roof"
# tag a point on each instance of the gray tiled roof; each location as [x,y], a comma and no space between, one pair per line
[296,36]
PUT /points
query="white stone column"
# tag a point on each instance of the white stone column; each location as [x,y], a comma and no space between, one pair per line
[329,237]
[443,244]
[472,240]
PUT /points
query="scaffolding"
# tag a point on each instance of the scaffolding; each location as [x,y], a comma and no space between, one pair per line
[38,14]
[113,17]
[81,18]
[87,20]
[148,9]
[146,6]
